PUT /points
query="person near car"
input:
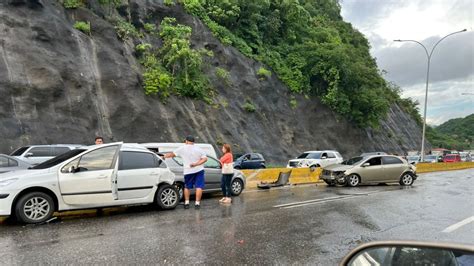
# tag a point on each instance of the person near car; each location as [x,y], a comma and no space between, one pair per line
[193,160]
[227,173]
[99,140]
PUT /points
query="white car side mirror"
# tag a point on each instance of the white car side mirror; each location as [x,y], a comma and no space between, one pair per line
[366,164]
[29,154]
[71,169]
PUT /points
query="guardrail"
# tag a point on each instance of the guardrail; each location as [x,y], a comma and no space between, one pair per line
[434,167]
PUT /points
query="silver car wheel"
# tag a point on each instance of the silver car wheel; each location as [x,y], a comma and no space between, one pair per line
[236,187]
[353,180]
[407,179]
[169,197]
[36,208]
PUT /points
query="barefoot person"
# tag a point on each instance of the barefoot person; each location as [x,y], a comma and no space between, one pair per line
[193,160]
[227,173]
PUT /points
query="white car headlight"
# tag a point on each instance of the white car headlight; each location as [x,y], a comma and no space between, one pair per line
[7,182]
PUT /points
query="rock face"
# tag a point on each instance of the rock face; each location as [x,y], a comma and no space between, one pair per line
[59,85]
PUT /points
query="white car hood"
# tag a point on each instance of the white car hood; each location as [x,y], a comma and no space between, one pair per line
[23,174]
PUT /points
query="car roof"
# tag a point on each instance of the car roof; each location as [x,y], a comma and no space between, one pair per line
[55,145]
[125,147]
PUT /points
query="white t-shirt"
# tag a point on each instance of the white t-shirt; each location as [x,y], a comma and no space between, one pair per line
[190,154]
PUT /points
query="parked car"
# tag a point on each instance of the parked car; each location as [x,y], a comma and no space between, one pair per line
[452,158]
[250,161]
[365,154]
[90,177]
[373,169]
[465,156]
[159,147]
[8,163]
[213,175]
[313,159]
[431,159]
[413,159]
[36,154]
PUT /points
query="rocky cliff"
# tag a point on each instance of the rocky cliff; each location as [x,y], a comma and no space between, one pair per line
[59,85]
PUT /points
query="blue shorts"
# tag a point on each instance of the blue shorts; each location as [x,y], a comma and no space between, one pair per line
[194,180]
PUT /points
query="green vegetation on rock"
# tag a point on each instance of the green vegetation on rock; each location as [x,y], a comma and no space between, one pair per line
[83,26]
[264,73]
[249,107]
[73,4]
[309,46]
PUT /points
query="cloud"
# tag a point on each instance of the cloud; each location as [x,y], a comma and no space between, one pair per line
[406,64]
[452,63]
[445,99]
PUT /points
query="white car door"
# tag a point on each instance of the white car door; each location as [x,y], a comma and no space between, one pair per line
[89,179]
[138,174]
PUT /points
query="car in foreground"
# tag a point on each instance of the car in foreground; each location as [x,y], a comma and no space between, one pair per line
[91,177]
[452,158]
[36,154]
[213,175]
[250,161]
[314,159]
[9,163]
[370,170]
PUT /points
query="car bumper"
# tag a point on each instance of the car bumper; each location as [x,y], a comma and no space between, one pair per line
[6,201]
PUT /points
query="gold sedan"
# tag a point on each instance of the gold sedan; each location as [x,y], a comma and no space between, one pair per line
[370,170]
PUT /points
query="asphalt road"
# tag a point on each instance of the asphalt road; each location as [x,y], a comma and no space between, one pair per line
[310,224]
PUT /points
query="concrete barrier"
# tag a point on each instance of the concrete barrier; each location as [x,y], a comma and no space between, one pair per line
[304,175]
[298,175]
[434,167]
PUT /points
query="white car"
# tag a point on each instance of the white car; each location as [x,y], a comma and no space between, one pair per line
[91,177]
[313,159]
[36,154]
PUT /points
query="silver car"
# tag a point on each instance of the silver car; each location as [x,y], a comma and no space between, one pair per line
[213,175]
[36,154]
[9,163]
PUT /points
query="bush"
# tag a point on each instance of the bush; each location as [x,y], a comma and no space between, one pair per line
[143,47]
[293,103]
[157,81]
[83,26]
[149,27]
[125,30]
[249,107]
[72,4]
[169,2]
[223,74]
[264,73]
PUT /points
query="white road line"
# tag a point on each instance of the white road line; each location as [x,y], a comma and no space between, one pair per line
[321,201]
[307,202]
[459,225]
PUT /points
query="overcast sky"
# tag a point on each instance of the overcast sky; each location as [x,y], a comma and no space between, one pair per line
[452,70]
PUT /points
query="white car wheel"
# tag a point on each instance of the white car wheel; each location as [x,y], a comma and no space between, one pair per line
[353,180]
[167,197]
[34,207]
[406,180]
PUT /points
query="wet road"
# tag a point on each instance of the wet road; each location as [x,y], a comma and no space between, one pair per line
[311,224]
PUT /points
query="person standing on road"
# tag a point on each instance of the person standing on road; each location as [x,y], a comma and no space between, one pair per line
[193,160]
[99,140]
[227,173]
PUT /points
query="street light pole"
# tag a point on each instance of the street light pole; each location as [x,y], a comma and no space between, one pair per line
[428,55]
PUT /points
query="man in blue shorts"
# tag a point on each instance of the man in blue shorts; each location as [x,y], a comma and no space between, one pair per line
[193,160]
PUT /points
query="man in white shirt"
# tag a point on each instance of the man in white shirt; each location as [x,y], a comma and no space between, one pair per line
[193,160]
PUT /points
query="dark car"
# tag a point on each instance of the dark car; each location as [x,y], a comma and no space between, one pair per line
[250,161]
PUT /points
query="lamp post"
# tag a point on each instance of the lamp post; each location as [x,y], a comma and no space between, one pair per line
[427,81]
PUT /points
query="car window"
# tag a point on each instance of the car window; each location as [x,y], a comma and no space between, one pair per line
[3,161]
[352,161]
[331,155]
[12,163]
[40,151]
[19,151]
[212,163]
[314,155]
[374,161]
[100,159]
[178,160]
[254,157]
[391,160]
[137,160]
[324,155]
[338,155]
[302,156]
[59,150]
[59,159]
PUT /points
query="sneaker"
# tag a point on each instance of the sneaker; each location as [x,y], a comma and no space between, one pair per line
[197,206]
[186,206]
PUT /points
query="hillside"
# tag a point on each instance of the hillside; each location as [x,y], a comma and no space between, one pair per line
[146,71]
[456,134]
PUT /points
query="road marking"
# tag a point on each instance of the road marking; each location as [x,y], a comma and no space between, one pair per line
[307,202]
[321,201]
[459,225]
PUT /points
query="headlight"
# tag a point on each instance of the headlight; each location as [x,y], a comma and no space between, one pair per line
[7,182]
